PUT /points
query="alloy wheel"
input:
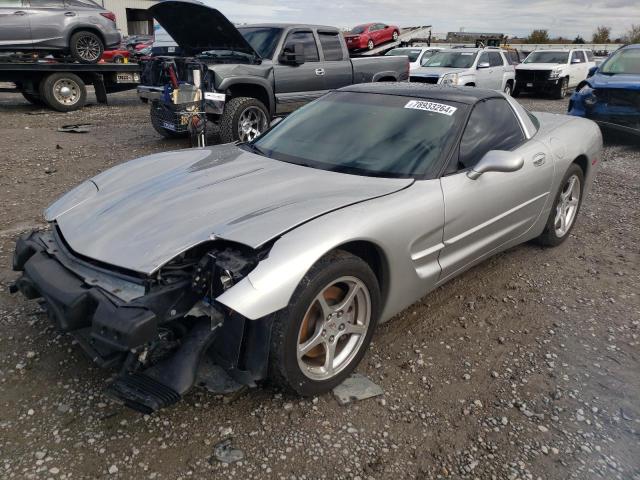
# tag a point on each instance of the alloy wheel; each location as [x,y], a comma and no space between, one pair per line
[567,207]
[334,328]
[252,122]
[88,48]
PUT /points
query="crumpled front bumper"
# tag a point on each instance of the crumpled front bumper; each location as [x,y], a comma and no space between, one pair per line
[106,326]
[621,118]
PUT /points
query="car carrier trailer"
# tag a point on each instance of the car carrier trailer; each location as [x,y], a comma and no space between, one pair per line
[62,86]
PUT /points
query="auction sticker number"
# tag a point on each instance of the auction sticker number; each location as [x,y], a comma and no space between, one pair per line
[431,107]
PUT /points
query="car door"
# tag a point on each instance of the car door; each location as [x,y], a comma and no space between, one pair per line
[577,68]
[14,24]
[48,19]
[295,85]
[338,71]
[497,70]
[484,77]
[483,214]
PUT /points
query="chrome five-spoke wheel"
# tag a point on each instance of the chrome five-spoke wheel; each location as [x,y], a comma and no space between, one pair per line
[567,207]
[334,328]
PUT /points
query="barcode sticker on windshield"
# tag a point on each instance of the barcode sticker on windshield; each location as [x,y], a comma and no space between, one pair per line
[431,107]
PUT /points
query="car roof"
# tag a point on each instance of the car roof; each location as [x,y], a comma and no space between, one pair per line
[466,95]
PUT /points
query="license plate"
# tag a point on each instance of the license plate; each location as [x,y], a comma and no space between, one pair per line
[529,84]
[127,78]
[169,126]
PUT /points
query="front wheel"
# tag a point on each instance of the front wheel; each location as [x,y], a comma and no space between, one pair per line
[322,335]
[370,45]
[243,120]
[562,89]
[395,36]
[86,47]
[508,89]
[63,92]
[565,209]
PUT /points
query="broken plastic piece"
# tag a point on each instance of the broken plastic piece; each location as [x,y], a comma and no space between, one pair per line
[356,387]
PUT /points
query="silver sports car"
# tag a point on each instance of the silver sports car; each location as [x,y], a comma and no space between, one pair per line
[275,259]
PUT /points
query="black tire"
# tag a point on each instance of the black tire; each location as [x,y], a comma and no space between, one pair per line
[230,119]
[118,59]
[284,370]
[515,93]
[508,89]
[86,47]
[165,132]
[52,94]
[549,236]
[562,89]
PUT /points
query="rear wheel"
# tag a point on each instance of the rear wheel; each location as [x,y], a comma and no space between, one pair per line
[86,47]
[244,119]
[321,336]
[63,92]
[395,36]
[565,209]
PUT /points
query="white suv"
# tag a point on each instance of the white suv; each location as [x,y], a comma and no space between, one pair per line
[554,71]
[474,67]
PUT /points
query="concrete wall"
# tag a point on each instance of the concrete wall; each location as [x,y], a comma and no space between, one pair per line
[119,7]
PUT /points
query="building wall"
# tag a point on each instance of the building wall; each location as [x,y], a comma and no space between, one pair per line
[119,7]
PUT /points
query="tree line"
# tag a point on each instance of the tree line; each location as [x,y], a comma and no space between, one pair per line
[602,34]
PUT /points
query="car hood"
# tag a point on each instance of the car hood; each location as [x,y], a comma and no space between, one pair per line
[539,66]
[197,28]
[141,214]
[618,80]
[436,71]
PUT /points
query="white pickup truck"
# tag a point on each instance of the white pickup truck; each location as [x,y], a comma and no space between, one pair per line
[554,71]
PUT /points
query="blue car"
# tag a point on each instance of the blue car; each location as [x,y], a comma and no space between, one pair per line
[611,93]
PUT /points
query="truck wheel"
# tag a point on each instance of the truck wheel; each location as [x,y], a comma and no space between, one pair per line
[562,89]
[86,47]
[156,123]
[63,92]
[243,119]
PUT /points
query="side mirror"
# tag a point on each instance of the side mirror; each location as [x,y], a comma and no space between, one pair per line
[496,161]
[292,54]
[592,72]
[483,65]
[275,121]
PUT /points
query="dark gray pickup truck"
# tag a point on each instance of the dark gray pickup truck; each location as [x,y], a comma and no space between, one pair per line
[246,76]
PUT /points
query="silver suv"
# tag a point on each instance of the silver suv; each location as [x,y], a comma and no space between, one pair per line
[477,67]
[80,28]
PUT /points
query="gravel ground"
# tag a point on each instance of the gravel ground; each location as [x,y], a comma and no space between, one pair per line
[525,367]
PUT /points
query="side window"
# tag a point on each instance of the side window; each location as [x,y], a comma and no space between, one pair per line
[492,126]
[577,55]
[331,46]
[47,3]
[590,57]
[11,4]
[484,58]
[495,60]
[308,42]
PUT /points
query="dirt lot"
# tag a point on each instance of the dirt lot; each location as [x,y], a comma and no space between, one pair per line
[525,367]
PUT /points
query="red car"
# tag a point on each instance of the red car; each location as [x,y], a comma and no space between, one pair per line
[371,34]
[114,56]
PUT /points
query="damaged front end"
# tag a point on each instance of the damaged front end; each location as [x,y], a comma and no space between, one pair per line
[165,332]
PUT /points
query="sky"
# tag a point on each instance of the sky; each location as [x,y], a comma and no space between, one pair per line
[567,18]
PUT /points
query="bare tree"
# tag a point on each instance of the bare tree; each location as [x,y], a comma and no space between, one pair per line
[632,35]
[538,36]
[601,35]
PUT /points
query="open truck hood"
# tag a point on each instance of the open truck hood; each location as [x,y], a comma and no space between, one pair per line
[141,214]
[197,28]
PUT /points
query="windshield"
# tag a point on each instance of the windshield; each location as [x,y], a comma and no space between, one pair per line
[358,30]
[623,61]
[263,39]
[547,57]
[451,59]
[412,53]
[366,134]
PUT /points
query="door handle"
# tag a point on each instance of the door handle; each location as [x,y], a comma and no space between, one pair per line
[20,13]
[70,14]
[539,159]
[319,71]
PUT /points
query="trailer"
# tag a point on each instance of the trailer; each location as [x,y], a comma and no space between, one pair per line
[408,37]
[62,86]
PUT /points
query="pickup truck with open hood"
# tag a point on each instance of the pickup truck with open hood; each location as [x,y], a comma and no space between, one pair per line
[247,75]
